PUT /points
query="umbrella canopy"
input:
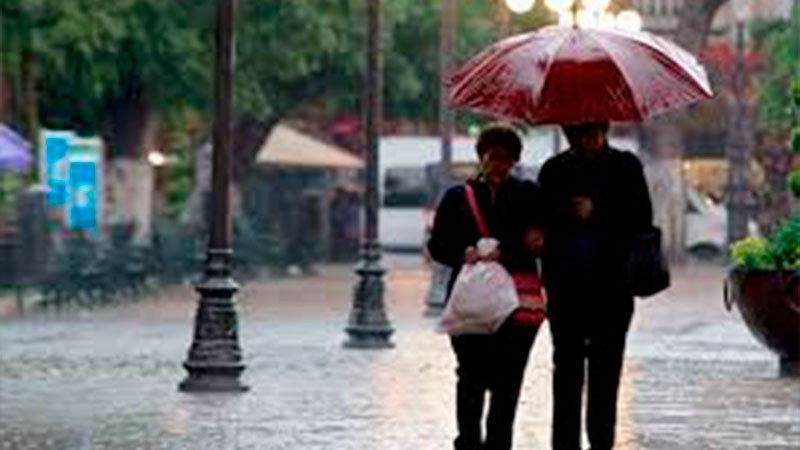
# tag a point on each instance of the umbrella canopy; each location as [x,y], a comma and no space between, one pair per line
[570,75]
[288,147]
[15,152]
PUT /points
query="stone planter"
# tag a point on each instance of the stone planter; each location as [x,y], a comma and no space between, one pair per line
[769,302]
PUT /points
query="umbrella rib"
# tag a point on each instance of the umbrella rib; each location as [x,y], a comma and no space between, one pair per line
[677,56]
[550,62]
[618,67]
[685,60]
[491,55]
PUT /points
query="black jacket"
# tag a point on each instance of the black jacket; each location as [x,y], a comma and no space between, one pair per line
[517,205]
[589,257]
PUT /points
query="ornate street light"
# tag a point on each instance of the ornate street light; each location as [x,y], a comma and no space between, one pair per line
[596,5]
[593,14]
[368,325]
[559,5]
[520,6]
[214,362]
[447,40]
[629,20]
[738,135]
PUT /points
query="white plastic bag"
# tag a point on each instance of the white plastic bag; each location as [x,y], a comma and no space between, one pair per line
[482,299]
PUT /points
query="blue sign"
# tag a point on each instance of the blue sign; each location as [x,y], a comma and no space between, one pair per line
[83,194]
[56,145]
[72,168]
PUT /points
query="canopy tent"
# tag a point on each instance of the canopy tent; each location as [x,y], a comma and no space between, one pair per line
[15,152]
[288,147]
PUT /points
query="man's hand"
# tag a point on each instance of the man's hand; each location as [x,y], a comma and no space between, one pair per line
[582,207]
[493,256]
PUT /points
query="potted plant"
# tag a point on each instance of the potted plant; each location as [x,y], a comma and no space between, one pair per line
[764,283]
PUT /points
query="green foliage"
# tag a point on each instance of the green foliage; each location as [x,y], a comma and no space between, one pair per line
[796,109]
[794,182]
[785,244]
[780,251]
[796,139]
[10,184]
[777,110]
[95,54]
[178,183]
[752,254]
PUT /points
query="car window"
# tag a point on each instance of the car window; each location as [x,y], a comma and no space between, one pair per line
[405,187]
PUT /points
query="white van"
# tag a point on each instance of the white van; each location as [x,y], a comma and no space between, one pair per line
[406,171]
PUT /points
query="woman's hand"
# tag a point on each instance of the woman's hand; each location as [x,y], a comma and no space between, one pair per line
[471,255]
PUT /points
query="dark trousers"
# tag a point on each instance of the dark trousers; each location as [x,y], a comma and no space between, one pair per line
[597,336]
[494,363]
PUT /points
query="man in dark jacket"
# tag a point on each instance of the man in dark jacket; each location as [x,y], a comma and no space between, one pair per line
[596,201]
[489,362]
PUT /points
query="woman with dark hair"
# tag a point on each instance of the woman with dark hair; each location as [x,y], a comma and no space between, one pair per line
[490,362]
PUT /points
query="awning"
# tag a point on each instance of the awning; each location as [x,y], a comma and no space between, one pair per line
[15,152]
[288,147]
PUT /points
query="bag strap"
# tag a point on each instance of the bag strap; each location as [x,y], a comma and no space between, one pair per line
[476,212]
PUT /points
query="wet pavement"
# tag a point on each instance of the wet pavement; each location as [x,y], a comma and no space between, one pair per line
[694,378]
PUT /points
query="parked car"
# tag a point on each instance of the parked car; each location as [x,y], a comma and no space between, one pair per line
[707,226]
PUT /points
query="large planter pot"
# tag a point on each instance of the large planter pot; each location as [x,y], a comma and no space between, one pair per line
[769,301]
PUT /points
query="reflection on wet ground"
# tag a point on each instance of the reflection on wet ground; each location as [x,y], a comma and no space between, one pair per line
[694,378]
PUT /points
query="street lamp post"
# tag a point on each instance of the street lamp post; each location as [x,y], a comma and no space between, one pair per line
[214,361]
[447,38]
[738,147]
[369,325]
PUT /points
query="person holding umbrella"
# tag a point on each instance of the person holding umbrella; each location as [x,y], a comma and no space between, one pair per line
[597,201]
[601,248]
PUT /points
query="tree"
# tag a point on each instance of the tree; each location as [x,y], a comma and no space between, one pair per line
[129,69]
[663,137]
[114,69]
[778,115]
[290,53]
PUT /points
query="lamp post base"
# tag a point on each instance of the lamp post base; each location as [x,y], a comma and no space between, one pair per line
[368,326]
[364,338]
[437,290]
[198,382]
[214,361]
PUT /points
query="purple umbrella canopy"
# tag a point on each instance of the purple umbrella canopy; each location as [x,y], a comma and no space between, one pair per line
[15,152]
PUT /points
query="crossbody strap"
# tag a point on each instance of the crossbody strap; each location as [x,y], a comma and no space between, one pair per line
[476,212]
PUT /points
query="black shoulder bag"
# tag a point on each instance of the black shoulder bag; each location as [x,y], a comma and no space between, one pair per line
[646,268]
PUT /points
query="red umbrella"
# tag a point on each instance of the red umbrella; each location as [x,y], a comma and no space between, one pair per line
[570,75]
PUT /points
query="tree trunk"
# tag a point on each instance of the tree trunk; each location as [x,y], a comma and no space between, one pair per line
[249,135]
[131,132]
[130,185]
[30,103]
[775,198]
[663,138]
[6,95]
